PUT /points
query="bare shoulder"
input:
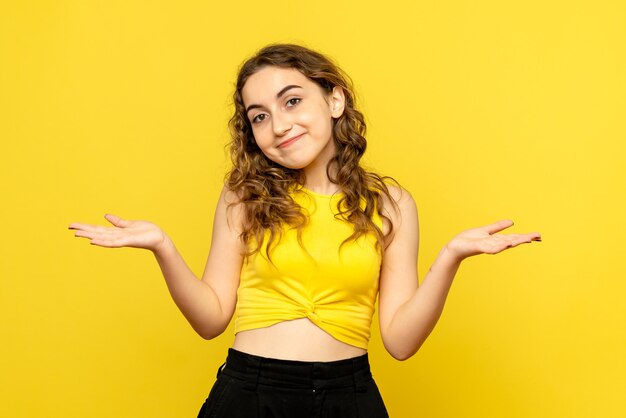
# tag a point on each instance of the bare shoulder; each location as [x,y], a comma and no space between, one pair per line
[230,197]
[230,207]
[400,210]
[403,202]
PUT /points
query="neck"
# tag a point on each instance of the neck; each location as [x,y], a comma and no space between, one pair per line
[316,179]
[321,185]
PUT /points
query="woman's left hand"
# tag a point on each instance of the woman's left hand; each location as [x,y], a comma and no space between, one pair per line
[485,240]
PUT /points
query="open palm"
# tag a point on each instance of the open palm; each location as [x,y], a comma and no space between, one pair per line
[123,233]
[486,240]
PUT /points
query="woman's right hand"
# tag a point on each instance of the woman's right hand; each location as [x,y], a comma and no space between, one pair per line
[123,233]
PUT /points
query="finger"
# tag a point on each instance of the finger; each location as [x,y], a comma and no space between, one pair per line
[517,239]
[117,221]
[83,234]
[498,226]
[109,243]
[99,232]
[76,225]
[533,236]
[88,234]
[90,228]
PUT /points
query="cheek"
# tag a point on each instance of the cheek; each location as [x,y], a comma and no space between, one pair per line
[264,141]
[318,120]
[260,136]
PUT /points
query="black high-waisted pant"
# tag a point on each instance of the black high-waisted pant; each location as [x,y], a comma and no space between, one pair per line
[249,386]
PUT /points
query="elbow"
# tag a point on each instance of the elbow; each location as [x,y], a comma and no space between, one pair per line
[402,350]
[209,327]
[208,333]
[402,355]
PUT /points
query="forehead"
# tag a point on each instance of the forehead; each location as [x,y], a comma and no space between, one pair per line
[263,85]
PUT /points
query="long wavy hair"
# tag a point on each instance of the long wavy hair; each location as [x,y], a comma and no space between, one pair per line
[264,186]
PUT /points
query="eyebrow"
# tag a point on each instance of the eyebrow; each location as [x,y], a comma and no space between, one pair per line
[280,93]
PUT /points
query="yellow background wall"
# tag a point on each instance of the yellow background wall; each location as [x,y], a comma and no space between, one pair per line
[483,110]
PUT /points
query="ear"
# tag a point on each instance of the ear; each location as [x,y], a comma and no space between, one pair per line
[337,102]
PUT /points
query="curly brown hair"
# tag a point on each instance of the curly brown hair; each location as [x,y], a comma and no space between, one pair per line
[264,186]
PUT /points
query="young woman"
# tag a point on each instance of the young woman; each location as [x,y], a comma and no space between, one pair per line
[304,241]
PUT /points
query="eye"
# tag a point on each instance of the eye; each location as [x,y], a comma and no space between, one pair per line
[293,102]
[259,118]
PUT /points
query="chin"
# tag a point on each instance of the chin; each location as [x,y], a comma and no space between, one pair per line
[292,165]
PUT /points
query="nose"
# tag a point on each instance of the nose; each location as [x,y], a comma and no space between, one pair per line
[281,123]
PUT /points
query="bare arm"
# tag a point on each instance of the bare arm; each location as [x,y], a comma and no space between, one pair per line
[409,312]
[207,304]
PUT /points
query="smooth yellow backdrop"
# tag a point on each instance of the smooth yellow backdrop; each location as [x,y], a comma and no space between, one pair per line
[482,109]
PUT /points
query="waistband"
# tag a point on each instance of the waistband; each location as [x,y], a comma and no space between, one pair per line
[255,370]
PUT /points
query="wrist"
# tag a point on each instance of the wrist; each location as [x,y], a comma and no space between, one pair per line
[164,246]
[449,254]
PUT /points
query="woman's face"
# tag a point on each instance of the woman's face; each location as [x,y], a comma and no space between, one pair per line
[291,117]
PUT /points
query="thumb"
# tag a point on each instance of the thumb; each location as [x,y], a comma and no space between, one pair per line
[116,220]
[498,226]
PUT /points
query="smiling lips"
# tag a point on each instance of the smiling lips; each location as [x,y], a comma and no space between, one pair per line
[289,141]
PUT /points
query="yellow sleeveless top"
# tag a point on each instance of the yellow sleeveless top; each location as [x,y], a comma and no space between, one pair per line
[336,290]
